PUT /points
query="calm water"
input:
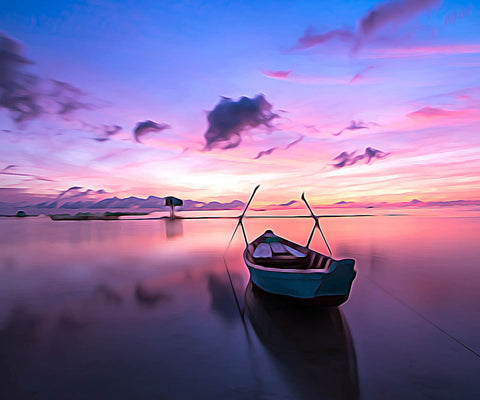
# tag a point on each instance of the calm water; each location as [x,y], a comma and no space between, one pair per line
[144,309]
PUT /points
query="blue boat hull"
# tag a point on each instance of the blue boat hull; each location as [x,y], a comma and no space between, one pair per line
[333,285]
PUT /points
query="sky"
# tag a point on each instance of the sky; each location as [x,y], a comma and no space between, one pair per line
[345,100]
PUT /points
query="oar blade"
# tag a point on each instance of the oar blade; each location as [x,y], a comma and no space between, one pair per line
[240,218]
[308,205]
[249,201]
[317,224]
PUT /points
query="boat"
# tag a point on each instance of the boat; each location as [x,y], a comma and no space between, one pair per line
[280,266]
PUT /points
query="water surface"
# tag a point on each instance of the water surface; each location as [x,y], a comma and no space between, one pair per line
[144,309]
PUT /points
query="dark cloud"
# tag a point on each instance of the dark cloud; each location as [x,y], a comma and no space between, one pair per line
[67,98]
[391,12]
[383,14]
[345,159]
[294,142]
[26,96]
[148,126]
[310,39]
[108,130]
[229,119]
[17,94]
[265,152]
[111,129]
[352,127]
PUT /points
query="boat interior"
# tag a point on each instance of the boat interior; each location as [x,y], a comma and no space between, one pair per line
[270,250]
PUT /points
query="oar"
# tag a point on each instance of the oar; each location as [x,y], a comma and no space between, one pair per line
[317,224]
[240,218]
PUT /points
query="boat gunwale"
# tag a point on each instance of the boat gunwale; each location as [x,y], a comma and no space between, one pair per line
[319,271]
[291,270]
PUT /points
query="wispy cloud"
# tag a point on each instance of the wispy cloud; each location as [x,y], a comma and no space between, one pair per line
[8,171]
[354,125]
[360,76]
[393,11]
[432,112]
[230,119]
[277,74]
[310,39]
[345,159]
[382,15]
[294,142]
[148,126]
[422,51]
[27,96]
[265,152]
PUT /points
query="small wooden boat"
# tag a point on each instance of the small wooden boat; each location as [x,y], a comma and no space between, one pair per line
[280,266]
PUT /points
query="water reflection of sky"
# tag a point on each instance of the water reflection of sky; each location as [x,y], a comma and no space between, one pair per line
[143,309]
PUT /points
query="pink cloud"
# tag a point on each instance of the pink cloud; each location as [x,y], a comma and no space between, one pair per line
[423,51]
[432,112]
[466,97]
[277,74]
[360,77]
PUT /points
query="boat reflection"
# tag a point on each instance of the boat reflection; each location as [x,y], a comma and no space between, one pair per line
[311,345]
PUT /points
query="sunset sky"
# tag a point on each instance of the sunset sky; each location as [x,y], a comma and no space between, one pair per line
[345,100]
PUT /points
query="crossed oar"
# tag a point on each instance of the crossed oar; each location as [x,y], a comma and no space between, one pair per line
[317,223]
[239,223]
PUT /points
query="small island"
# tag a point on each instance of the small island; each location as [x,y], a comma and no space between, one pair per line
[85,216]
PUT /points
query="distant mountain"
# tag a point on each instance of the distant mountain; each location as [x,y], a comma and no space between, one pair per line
[78,199]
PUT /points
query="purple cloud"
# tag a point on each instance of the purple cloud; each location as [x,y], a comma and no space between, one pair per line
[294,142]
[26,96]
[148,126]
[110,130]
[352,127]
[8,168]
[391,12]
[265,153]
[383,14]
[345,159]
[229,119]
[310,39]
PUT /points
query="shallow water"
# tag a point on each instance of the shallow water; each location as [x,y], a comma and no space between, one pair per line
[144,309]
